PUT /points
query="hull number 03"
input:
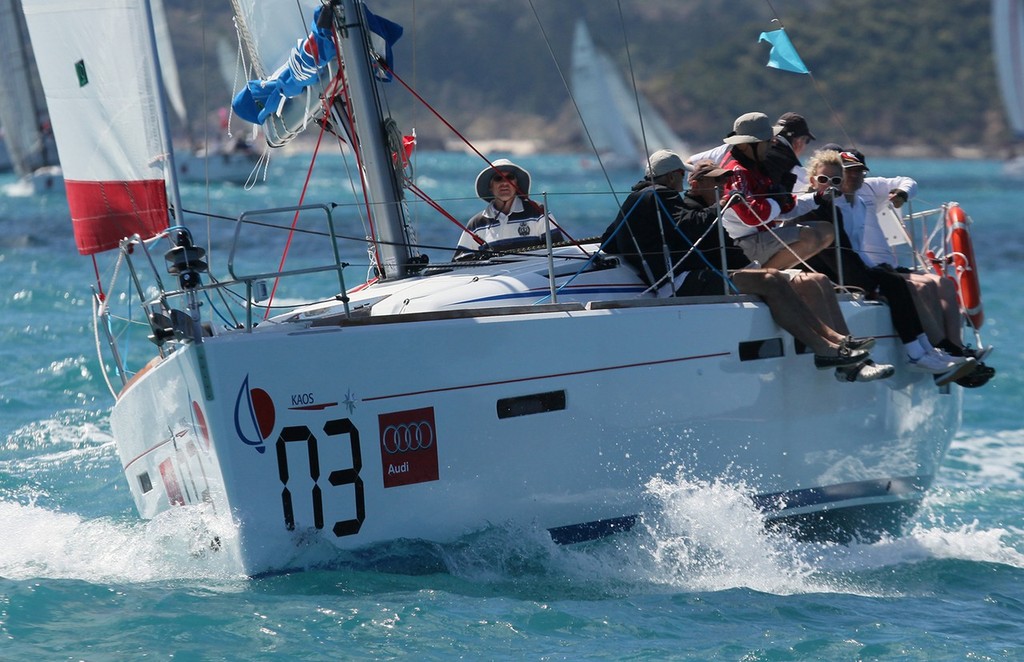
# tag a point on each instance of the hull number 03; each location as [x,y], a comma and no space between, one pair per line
[337,478]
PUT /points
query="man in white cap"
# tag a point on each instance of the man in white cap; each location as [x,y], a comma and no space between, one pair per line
[753,201]
[511,220]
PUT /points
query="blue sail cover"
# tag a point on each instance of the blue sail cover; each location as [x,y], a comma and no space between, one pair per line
[260,99]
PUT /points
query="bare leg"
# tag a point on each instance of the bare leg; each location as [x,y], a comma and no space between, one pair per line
[938,307]
[814,238]
[818,293]
[788,309]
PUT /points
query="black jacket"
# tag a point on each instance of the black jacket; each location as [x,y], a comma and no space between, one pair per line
[655,218]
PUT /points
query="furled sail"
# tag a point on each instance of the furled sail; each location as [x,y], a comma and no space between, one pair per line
[104,101]
[284,100]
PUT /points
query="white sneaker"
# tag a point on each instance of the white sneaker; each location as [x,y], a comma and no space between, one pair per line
[934,362]
[959,360]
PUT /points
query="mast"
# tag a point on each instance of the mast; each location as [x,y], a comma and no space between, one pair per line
[380,180]
[171,172]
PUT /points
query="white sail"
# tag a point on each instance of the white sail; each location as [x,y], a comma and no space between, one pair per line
[103,94]
[610,111]
[1008,48]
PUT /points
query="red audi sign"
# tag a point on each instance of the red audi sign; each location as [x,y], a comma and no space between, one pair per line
[408,446]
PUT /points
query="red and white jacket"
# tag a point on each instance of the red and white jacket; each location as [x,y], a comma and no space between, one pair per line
[756,211]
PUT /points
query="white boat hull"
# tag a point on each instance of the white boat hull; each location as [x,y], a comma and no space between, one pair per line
[645,391]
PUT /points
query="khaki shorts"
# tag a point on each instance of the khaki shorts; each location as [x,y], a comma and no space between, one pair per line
[761,246]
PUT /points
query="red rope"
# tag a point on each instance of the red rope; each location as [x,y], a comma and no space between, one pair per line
[463,138]
[421,194]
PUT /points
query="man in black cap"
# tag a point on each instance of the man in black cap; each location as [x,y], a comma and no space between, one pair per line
[792,135]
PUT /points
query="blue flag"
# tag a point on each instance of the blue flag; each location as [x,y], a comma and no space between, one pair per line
[783,54]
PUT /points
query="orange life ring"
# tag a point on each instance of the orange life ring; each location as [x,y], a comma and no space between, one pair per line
[967,283]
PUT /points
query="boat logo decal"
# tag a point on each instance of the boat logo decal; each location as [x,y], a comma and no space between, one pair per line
[254,416]
[307,402]
[350,401]
[408,447]
[200,424]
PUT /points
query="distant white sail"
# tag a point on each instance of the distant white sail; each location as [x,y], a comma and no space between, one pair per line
[168,63]
[611,112]
[1008,47]
[22,107]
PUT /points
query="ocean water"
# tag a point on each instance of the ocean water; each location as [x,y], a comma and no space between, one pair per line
[83,578]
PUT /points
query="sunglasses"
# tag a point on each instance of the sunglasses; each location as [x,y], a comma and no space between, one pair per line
[823,179]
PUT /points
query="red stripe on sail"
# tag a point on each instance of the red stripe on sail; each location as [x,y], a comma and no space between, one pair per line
[104,213]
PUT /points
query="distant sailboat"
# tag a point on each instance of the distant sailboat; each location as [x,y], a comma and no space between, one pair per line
[23,114]
[226,162]
[609,109]
[1008,48]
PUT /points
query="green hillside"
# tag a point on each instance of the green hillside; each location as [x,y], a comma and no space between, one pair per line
[917,73]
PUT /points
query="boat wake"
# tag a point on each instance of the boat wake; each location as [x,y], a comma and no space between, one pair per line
[698,536]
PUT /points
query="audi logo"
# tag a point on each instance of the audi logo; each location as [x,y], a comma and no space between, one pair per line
[407,437]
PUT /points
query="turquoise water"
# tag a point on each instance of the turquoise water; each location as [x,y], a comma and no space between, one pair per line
[81,577]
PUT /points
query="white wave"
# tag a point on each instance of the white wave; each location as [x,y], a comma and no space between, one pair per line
[41,543]
[992,459]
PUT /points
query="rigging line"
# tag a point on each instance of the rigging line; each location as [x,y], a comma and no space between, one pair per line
[422,195]
[572,98]
[465,140]
[632,80]
[295,218]
[817,86]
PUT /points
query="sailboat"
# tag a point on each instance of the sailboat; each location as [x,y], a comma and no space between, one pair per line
[622,125]
[224,161]
[23,115]
[1008,50]
[432,400]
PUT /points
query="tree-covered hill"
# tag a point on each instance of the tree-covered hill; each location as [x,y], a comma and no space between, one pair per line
[915,73]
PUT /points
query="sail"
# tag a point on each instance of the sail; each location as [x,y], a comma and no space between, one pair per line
[22,109]
[609,108]
[168,64]
[102,90]
[591,86]
[1008,48]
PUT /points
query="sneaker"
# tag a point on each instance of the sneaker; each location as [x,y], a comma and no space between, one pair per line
[982,373]
[935,362]
[956,372]
[853,344]
[978,354]
[850,358]
[959,360]
[865,371]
